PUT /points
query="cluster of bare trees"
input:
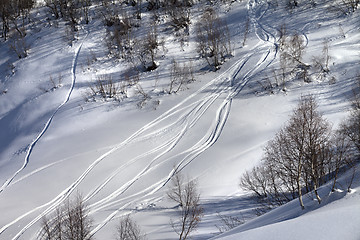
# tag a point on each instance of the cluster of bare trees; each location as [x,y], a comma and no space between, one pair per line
[14,17]
[106,87]
[141,51]
[119,23]
[72,222]
[303,155]
[180,13]
[213,38]
[346,6]
[292,47]
[343,6]
[72,11]
[12,14]
[72,219]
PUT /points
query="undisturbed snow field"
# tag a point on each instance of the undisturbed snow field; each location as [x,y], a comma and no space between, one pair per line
[54,144]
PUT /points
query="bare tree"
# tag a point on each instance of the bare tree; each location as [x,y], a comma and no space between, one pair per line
[71,221]
[292,48]
[292,3]
[188,200]
[346,6]
[296,159]
[340,155]
[351,128]
[321,63]
[106,88]
[356,93]
[256,181]
[317,131]
[144,96]
[228,222]
[6,11]
[213,38]
[54,7]
[179,12]
[85,7]
[180,75]
[119,37]
[246,32]
[128,230]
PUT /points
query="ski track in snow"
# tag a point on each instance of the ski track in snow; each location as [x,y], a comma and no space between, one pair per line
[189,112]
[47,124]
[33,143]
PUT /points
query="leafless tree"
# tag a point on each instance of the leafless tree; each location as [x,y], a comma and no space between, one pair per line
[188,199]
[356,93]
[128,230]
[296,159]
[307,120]
[340,155]
[71,221]
[119,38]
[180,75]
[321,63]
[106,88]
[351,128]
[179,12]
[292,48]
[18,44]
[6,11]
[247,29]
[14,15]
[54,7]
[151,45]
[144,96]
[228,222]
[346,6]
[256,181]
[213,38]
[292,3]
[85,7]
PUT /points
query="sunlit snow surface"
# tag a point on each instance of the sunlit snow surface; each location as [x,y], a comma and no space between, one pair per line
[54,144]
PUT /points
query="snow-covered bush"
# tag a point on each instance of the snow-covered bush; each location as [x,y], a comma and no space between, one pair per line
[106,88]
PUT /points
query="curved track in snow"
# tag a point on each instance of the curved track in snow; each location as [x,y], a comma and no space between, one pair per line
[43,131]
[217,93]
[47,124]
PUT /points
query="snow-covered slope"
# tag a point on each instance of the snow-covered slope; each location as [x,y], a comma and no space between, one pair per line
[54,144]
[336,217]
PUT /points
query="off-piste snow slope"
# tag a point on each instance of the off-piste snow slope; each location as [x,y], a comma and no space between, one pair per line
[55,145]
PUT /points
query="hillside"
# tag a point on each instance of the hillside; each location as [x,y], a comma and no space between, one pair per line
[172,109]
